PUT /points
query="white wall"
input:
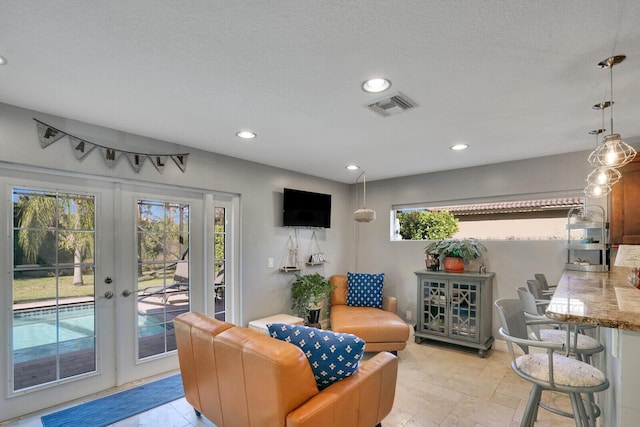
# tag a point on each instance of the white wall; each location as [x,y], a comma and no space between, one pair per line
[264,291]
[513,261]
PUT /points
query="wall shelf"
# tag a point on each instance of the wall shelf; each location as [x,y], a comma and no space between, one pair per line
[587,239]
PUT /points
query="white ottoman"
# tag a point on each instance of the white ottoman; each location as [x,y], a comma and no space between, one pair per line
[260,325]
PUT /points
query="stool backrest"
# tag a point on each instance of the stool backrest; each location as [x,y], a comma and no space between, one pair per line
[512,319]
[542,279]
[536,290]
[529,304]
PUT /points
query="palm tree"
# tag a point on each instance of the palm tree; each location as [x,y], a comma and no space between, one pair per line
[71,215]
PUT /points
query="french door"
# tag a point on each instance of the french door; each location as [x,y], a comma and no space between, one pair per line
[96,274]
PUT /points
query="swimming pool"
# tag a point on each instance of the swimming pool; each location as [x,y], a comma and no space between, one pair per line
[36,334]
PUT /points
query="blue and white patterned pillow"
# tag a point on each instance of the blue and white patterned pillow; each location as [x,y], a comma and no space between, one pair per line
[333,356]
[364,290]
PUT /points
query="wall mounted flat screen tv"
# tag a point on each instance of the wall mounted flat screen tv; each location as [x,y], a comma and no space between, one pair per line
[306,209]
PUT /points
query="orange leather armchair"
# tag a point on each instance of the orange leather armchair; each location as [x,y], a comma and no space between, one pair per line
[381,329]
[238,377]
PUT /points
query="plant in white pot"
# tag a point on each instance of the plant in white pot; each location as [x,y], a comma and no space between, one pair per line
[308,292]
[455,251]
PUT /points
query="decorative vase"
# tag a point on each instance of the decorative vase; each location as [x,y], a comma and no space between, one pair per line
[453,264]
[314,316]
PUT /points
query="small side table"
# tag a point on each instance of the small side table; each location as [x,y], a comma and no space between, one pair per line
[260,325]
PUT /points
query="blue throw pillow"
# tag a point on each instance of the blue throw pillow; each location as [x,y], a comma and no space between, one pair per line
[364,290]
[333,356]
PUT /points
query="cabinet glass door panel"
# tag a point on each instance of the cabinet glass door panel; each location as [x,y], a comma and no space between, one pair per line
[434,295]
[464,310]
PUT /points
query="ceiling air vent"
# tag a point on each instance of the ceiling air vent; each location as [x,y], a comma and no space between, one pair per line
[393,105]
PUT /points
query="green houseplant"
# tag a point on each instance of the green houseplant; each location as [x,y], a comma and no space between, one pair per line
[308,292]
[454,251]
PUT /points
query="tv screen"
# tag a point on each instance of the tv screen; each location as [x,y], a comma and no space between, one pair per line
[306,209]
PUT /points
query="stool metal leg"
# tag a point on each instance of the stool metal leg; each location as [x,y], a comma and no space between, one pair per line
[576,401]
[531,410]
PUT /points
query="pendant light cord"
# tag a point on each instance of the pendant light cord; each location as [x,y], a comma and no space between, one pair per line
[364,189]
[611,88]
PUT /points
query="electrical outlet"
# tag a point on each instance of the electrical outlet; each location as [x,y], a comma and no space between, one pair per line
[409,314]
[270,262]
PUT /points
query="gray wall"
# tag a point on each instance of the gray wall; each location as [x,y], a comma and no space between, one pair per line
[264,291]
[513,261]
[347,245]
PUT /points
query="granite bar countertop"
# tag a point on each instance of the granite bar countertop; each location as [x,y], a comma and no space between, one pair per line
[604,299]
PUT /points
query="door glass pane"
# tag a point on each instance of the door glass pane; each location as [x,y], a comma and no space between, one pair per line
[219,263]
[163,273]
[53,323]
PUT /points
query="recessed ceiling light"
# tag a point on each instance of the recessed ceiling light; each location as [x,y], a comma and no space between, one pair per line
[3,60]
[459,147]
[352,167]
[376,85]
[246,134]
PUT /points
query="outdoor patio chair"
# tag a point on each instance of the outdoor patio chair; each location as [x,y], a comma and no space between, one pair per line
[179,286]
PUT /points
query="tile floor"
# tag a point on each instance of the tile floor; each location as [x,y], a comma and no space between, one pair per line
[438,385]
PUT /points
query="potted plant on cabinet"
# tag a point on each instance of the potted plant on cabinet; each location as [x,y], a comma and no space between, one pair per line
[455,251]
[308,292]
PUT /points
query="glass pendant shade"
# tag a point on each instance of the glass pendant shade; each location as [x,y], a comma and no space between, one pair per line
[613,153]
[604,176]
[595,191]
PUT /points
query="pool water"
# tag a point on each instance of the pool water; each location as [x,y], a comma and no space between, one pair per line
[36,334]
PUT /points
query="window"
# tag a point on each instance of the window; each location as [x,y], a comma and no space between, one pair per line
[163,273]
[532,219]
[219,262]
[53,323]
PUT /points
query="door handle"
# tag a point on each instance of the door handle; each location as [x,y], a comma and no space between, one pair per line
[108,295]
[126,293]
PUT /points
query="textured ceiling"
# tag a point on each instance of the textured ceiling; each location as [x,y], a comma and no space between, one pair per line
[513,79]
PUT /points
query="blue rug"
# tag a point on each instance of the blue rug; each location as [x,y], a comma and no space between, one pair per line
[110,409]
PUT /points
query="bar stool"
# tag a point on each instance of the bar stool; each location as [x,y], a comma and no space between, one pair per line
[582,346]
[549,370]
[536,290]
[544,299]
[542,279]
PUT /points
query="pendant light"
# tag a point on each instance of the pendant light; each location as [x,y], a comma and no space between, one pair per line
[614,152]
[602,178]
[363,214]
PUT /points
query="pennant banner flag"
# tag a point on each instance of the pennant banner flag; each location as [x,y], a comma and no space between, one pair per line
[136,160]
[159,162]
[181,161]
[110,156]
[81,148]
[48,135]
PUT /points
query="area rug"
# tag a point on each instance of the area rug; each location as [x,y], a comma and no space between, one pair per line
[110,409]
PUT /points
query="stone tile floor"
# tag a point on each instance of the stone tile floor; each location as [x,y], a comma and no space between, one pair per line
[438,385]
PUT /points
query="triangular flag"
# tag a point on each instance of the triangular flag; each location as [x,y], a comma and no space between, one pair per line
[48,135]
[136,160]
[181,161]
[80,147]
[110,156]
[159,162]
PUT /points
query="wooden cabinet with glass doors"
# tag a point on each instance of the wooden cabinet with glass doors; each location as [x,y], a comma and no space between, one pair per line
[455,308]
